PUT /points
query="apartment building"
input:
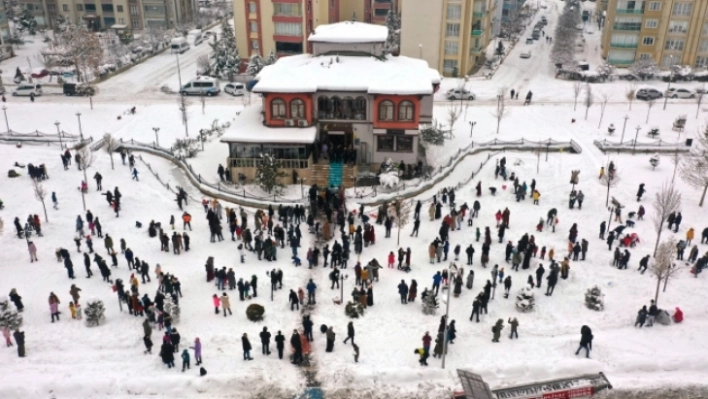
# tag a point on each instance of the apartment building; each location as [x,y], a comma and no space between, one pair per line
[672,32]
[5,46]
[282,26]
[450,35]
[103,14]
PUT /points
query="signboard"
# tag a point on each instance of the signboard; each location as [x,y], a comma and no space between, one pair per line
[559,389]
[396,132]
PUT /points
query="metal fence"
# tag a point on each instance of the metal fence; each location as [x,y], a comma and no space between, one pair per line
[643,148]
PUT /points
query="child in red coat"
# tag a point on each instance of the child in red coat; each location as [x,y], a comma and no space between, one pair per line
[391,260]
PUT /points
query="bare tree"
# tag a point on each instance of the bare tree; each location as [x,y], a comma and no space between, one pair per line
[608,181]
[650,104]
[86,159]
[454,111]
[402,210]
[631,93]
[589,99]
[666,201]
[41,193]
[694,169]
[604,98]
[81,47]
[664,267]
[502,111]
[153,37]
[204,65]
[577,88]
[110,145]
[699,98]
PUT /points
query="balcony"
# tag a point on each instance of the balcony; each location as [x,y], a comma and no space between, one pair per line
[629,11]
[614,61]
[478,14]
[633,27]
[476,50]
[477,32]
[623,45]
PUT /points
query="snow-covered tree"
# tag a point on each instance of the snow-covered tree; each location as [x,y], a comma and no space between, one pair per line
[186,148]
[666,201]
[589,99]
[577,88]
[41,193]
[28,23]
[80,47]
[644,68]
[272,59]
[255,64]
[10,319]
[694,169]
[19,76]
[631,93]
[110,145]
[402,211]
[605,71]
[94,312]
[225,59]
[663,267]
[525,300]
[393,40]
[269,175]
[595,299]
[566,34]
[433,134]
[501,111]
[153,37]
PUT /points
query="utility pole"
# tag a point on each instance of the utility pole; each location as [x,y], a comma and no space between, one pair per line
[635,139]
[626,117]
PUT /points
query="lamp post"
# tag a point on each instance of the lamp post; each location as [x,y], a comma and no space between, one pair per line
[472,128]
[626,117]
[671,76]
[7,123]
[341,288]
[157,139]
[634,147]
[447,319]
[81,133]
[420,51]
[302,189]
[61,145]
[495,273]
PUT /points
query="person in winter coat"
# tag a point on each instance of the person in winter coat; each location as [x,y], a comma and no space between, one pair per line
[54,306]
[678,316]
[641,317]
[497,329]
[32,251]
[74,292]
[412,291]
[17,300]
[225,304]
[265,341]
[280,344]
[294,301]
[451,332]
[585,341]
[470,280]
[330,339]
[403,292]
[640,192]
[439,345]
[197,351]
[217,302]
[651,315]
[246,344]
[167,353]
[427,339]
[689,236]
[514,328]
[20,341]
[185,360]
[175,339]
[350,332]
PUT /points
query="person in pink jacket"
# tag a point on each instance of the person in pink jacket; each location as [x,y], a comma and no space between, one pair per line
[32,251]
[217,303]
[54,306]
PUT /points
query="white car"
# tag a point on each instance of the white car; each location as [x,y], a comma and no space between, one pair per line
[458,94]
[235,89]
[26,89]
[526,54]
[679,93]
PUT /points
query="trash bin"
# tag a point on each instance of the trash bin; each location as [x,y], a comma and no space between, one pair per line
[689,142]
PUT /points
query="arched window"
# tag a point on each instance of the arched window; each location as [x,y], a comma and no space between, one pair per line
[297,109]
[360,108]
[324,109]
[386,111]
[277,109]
[337,108]
[348,108]
[405,111]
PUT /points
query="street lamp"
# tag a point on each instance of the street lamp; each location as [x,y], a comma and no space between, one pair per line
[157,139]
[472,127]
[302,189]
[81,133]
[635,139]
[626,117]
[671,75]
[420,51]
[7,123]
[59,134]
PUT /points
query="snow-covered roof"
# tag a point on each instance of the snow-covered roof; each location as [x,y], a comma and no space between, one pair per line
[349,32]
[249,128]
[306,73]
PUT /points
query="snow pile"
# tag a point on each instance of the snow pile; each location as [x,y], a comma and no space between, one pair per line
[349,32]
[595,299]
[525,300]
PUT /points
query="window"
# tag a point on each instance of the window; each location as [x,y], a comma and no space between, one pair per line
[404,144]
[682,9]
[385,143]
[109,21]
[678,27]
[277,109]
[628,23]
[151,9]
[648,41]
[621,57]
[451,47]
[107,7]
[452,30]
[331,3]
[324,108]
[701,61]
[337,108]
[254,26]
[288,9]
[674,44]
[405,111]
[79,7]
[92,7]
[52,8]
[667,61]
[360,108]
[134,10]
[288,29]
[135,22]
[652,24]
[386,111]
[705,29]
[252,7]
[449,66]
[347,108]
[454,12]
[254,44]
[65,7]
[644,56]
[655,6]
[309,6]
[380,12]
[286,47]
[121,21]
[703,46]
[297,109]
[119,8]
[623,40]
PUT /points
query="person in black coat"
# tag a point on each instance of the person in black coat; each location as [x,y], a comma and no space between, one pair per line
[297,347]
[350,332]
[246,347]
[17,300]
[280,344]
[167,353]
[20,341]
[174,339]
[403,292]
[585,340]
[265,341]
[610,240]
[539,275]
[475,309]
[307,325]
[640,192]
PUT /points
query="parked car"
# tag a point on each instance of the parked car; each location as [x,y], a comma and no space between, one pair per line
[529,40]
[526,54]
[648,94]
[460,94]
[679,93]
[25,89]
[235,88]
[78,89]
[39,73]
[202,85]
